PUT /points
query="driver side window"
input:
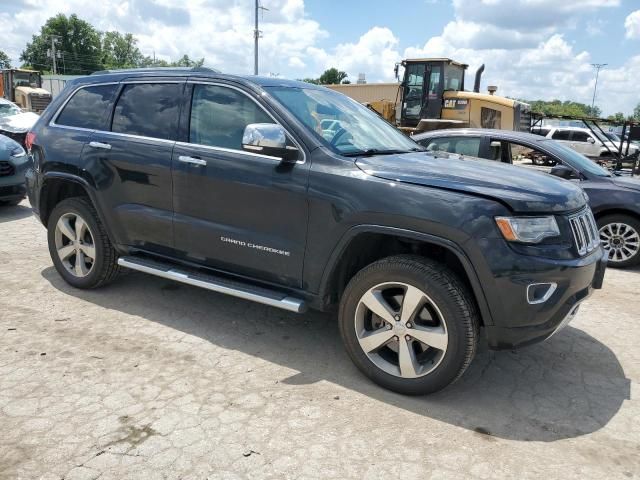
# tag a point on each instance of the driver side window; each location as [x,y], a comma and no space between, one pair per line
[527,157]
[219,116]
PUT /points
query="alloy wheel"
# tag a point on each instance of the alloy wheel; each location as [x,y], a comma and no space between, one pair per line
[621,241]
[401,330]
[75,245]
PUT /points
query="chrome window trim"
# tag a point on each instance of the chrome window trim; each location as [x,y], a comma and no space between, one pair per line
[52,122]
[230,150]
[233,150]
[136,137]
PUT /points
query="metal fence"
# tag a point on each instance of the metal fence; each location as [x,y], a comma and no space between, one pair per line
[56,83]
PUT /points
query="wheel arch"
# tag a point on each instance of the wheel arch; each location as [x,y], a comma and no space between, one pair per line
[57,186]
[616,211]
[365,244]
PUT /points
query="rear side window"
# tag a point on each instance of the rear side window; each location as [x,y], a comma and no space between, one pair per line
[490,118]
[561,135]
[88,108]
[461,145]
[149,110]
[220,114]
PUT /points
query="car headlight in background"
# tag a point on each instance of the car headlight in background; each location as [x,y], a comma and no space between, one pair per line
[527,229]
[18,152]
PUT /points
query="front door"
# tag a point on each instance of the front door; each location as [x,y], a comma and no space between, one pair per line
[235,210]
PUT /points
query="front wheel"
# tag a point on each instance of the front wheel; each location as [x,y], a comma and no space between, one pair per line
[620,237]
[409,324]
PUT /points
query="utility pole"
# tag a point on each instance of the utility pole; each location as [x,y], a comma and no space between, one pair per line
[52,53]
[597,66]
[256,36]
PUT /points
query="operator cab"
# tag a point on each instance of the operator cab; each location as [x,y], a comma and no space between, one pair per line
[424,83]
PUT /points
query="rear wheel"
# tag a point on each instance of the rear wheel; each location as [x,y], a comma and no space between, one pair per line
[409,324]
[620,237]
[79,245]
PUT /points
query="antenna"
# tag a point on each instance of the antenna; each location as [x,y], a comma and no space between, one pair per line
[256,35]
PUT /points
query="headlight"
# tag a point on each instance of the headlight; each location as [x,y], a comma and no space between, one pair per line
[18,152]
[527,229]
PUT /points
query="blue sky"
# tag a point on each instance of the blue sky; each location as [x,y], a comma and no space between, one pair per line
[532,48]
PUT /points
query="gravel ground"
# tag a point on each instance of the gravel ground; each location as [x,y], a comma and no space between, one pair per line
[151,379]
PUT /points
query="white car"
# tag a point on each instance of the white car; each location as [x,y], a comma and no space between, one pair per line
[587,142]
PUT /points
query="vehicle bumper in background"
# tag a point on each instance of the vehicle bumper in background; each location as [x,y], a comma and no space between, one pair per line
[12,187]
[529,323]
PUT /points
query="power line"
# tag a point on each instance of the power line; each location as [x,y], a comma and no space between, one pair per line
[597,66]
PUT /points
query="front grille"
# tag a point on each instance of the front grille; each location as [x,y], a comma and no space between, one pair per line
[585,232]
[39,102]
[6,169]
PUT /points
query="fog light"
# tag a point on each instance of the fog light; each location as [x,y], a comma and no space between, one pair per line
[540,292]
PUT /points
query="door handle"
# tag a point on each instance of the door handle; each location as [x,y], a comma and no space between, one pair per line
[104,146]
[193,160]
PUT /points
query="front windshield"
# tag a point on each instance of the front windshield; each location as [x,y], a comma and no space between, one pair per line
[613,137]
[575,159]
[342,123]
[6,109]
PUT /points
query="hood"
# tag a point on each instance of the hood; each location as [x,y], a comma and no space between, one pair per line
[523,190]
[616,145]
[20,123]
[632,183]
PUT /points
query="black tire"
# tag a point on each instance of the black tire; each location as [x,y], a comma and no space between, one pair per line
[452,299]
[632,222]
[105,267]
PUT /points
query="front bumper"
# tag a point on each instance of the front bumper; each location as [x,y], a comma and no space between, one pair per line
[525,323]
[12,187]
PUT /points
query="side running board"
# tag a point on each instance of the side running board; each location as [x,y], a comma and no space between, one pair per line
[217,284]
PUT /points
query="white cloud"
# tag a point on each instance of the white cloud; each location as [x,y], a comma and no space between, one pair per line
[632,25]
[374,54]
[219,30]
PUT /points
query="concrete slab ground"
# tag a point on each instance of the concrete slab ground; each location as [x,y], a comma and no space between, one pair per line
[150,379]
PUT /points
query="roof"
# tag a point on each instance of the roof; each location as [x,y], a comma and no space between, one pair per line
[506,102]
[435,59]
[501,134]
[4,101]
[198,72]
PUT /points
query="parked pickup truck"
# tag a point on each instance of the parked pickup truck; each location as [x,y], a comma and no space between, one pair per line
[231,183]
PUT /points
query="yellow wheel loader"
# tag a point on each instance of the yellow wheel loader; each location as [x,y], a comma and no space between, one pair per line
[432,96]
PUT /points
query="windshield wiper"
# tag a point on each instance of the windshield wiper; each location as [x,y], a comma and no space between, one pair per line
[375,151]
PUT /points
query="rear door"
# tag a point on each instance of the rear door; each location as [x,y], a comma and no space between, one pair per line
[236,210]
[131,163]
[563,136]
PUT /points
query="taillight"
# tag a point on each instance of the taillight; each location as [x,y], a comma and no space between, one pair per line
[29,139]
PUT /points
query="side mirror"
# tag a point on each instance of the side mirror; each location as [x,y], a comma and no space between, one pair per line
[591,140]
[268,139]
[563,171]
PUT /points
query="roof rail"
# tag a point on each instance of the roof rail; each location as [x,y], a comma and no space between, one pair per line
[157,69]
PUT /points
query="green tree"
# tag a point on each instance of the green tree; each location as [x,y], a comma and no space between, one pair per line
[5,61]
[636,112]
[120,50]
[618,117]
[332,76]
[567,108]
[78,43]
[184,61]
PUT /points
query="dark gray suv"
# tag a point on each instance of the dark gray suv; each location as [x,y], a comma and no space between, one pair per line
[295,196]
